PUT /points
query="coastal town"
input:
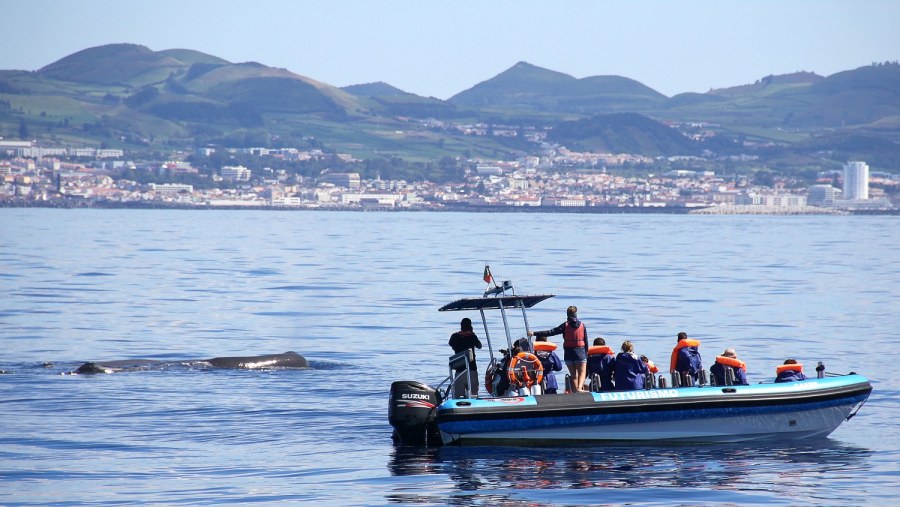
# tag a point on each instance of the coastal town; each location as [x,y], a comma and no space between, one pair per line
[555,180]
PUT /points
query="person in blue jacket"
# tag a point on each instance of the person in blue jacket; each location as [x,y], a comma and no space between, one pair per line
[790,371]
[601,362]
[729,359]
[631,372]
[686,357]
[550,362]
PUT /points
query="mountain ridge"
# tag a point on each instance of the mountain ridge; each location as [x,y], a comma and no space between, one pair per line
[127,94]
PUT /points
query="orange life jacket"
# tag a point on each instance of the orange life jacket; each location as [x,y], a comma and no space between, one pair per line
[690,342]
[731,361]
[652,367]
[544,347]
[593,350]
[574,338]
[789,367]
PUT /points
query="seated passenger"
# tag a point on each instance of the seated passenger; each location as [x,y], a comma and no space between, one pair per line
[686,357]
[500,378]
[544,350]
[650,366]
[601,362]
[790,371]
[727,360]
[630,372]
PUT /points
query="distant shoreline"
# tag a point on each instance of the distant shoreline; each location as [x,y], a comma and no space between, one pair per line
[453,208]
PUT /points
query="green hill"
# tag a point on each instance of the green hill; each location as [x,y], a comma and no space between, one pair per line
[770,84]
[129,96]
[520,85]
[115,64]
[384,99]
[379,89]
[192,57]
[802,100]
[275,94]
[857,97]
[528,87]
[622,133]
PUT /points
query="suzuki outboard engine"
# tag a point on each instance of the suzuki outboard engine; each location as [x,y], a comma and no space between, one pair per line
[411,413]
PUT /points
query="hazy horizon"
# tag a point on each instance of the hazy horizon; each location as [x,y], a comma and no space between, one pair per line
[440,48]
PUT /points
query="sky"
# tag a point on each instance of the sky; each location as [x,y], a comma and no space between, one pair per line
[440,48]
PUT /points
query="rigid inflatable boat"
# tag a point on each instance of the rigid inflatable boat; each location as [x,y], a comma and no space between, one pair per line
[520,415]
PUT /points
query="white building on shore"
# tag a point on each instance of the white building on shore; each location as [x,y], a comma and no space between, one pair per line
[856,181]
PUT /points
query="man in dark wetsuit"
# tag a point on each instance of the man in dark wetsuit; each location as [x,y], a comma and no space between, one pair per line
[461,340]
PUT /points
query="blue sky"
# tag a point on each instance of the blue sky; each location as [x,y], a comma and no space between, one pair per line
[440,48]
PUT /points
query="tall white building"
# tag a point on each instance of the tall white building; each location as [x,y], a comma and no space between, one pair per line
[856,181]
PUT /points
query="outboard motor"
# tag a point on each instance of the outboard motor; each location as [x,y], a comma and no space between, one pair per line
[702,377]
[676,379]
[411,413]
[662,382]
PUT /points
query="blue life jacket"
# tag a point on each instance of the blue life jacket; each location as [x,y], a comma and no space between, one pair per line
[718,372]
[630,372]
[689,361]
[603,365]
[790,376]
[551,363]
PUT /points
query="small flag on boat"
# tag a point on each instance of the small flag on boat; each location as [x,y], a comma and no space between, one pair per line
[487,274]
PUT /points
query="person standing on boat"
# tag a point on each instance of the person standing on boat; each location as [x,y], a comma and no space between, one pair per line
[601,362]
[727,360]
[686,357]
[575,346]
[461,340]
[544,350]
[790,371]
[631,373]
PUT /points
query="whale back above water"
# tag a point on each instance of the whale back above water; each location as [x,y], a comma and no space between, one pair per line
[288,359]
[119,365]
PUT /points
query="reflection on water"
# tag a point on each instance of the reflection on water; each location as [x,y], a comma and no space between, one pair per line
[736,469]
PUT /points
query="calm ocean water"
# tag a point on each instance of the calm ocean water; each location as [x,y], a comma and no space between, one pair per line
[357,294]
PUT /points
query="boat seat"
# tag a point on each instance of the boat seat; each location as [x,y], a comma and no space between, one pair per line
[461,360]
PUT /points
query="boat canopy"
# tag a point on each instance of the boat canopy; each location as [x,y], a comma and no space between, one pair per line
[494,303]
[496,298]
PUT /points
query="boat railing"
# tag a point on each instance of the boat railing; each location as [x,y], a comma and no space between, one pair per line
[461,374]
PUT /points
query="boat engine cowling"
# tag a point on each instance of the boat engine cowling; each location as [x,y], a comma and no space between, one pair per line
[411,412]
